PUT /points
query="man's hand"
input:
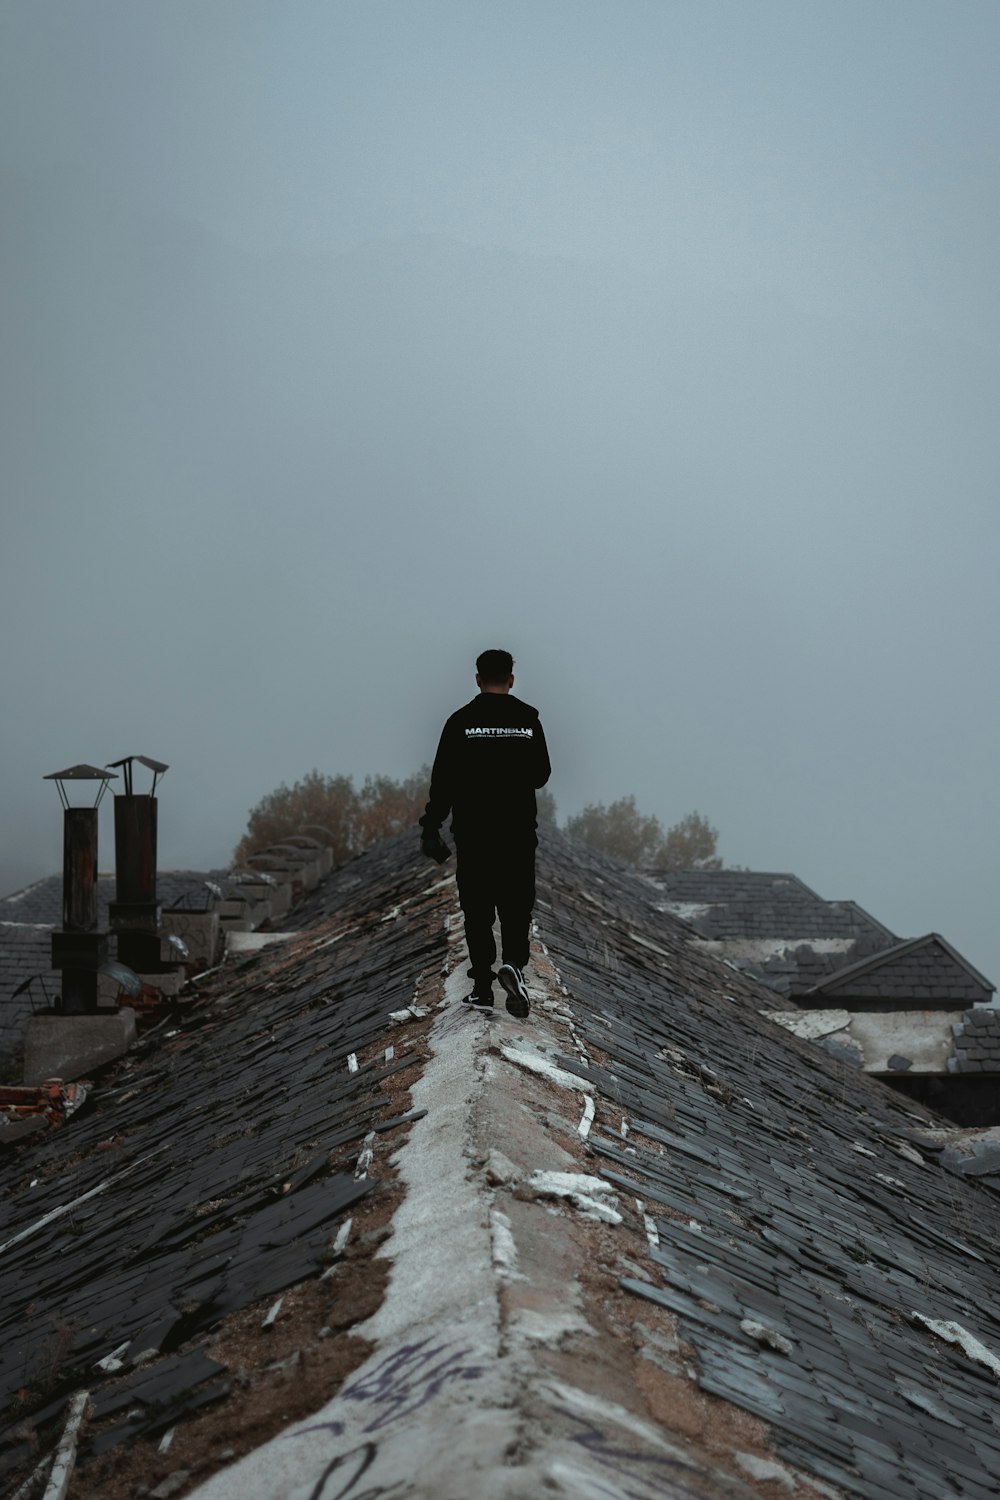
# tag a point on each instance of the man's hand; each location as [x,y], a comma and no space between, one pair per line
[434,846]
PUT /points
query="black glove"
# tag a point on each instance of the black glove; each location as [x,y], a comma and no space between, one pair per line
[434,846]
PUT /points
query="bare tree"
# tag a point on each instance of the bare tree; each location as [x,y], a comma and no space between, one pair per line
[619,829]
[386,806]
[354,820]
[689,845]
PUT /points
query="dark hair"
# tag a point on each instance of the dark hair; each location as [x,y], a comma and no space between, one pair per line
[495,666]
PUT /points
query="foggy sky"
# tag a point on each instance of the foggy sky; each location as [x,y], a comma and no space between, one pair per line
[656,342]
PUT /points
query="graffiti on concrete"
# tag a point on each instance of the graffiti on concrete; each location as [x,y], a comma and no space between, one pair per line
[342,1475]
[402,1383]
[397,1387]
[406,1380]
[632,1473]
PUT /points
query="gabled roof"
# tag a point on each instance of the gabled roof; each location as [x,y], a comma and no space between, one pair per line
[925,968]
[747,1226]
[757,904]
[977,1041]
[25,951]
[800,945]
[41,902]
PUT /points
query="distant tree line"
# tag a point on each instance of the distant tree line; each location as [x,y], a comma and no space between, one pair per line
[351,819]
[640,839]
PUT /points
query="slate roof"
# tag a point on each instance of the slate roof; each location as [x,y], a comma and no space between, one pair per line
[817,1261]
[42,901]
[817,951]
[215,1187]
[25,950]
[787,1194]
[977,1042]
[754,904]
[28,916]
[925,971]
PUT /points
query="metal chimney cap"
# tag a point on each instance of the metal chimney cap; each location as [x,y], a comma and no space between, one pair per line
[156,766]
[81,773]
[144,760]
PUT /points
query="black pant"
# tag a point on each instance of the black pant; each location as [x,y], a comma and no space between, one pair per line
[496,878]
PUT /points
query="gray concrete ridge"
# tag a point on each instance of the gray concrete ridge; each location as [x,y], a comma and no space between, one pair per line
[467,1393]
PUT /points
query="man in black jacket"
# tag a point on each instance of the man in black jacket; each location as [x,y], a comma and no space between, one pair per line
[491,758]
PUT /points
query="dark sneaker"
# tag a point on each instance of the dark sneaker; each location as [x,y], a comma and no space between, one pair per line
[515,990]
[477,1001]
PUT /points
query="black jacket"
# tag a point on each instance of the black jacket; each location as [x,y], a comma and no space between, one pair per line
[491,757]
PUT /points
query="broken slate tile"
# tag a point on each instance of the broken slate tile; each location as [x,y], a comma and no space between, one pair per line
[155,1384]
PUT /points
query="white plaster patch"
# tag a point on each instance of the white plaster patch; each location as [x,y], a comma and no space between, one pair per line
[589,1195]
[759,950]
[503,1246]
[955,1135]
[954,1333]
[810,1024]
[113,1361]
[252,942]
[768,1336]
[607,1413]
[923,1036]
[766,1470]
[910,1153]
[688,911]
[524,1055]
[500,1170]
[547,1328]
[413,1013]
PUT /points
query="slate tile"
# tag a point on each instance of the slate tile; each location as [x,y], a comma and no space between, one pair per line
[153,1385]
[798,1380]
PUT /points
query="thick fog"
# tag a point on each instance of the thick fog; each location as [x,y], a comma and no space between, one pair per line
[656,342]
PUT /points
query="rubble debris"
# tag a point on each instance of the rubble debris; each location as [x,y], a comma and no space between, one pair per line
[53,1101]
[592,1196]
[534,1060]
[768,1336]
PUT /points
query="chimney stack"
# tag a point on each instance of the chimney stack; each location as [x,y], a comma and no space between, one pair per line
[135,913]
[80,948]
